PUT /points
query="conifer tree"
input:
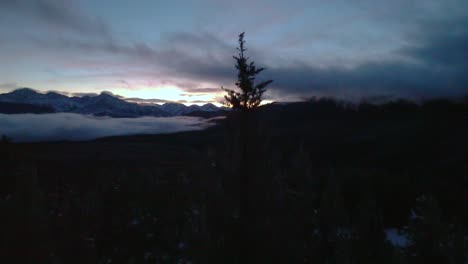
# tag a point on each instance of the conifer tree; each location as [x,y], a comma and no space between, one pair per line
[247,98]
[251,94]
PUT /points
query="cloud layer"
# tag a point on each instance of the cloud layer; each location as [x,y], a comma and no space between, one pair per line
[341,49]
[66,126]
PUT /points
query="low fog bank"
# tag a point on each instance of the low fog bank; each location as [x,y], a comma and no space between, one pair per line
[67,126]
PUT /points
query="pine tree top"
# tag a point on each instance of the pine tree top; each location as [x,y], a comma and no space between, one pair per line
[251,93]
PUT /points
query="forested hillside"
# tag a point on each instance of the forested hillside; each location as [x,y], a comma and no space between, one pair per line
[331,182]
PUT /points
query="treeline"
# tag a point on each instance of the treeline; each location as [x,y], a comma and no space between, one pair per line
[331,182]
[326,107]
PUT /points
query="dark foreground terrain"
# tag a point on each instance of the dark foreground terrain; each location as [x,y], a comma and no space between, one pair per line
[329,182]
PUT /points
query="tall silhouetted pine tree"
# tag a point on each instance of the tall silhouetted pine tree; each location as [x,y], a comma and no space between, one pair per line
[251,94]
[246,99]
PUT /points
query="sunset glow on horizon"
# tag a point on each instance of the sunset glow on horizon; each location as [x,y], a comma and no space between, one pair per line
[308,48]
[246,131]
[168,93]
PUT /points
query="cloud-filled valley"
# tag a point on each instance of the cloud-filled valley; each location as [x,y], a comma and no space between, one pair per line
[68,126]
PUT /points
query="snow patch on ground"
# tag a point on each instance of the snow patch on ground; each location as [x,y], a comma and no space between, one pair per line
[397,237]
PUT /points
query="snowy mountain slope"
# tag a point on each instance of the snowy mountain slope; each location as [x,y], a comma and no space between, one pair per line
[60,103]
[102,104]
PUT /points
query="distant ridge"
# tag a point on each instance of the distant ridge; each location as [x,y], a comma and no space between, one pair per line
[19,108]
[104,104]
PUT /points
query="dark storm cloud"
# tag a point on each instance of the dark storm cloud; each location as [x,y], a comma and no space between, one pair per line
[432,61]
[212,64]
[386,78]
[443,43]
[432,64]
[67,126]
[436,65]
[57,13]
[200,41]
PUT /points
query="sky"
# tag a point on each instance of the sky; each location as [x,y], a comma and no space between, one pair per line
[182,50]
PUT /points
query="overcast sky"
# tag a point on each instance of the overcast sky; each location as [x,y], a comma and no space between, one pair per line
[182,50]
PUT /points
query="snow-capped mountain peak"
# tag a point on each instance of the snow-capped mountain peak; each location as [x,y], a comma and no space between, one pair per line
[103,104]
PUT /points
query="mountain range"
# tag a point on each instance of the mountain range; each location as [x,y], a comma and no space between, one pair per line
[26,100]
